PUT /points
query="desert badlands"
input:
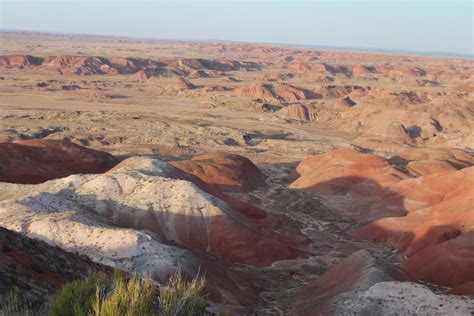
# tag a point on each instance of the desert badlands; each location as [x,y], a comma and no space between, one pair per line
[298,181]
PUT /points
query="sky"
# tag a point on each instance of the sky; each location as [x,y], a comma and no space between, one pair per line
[417,25]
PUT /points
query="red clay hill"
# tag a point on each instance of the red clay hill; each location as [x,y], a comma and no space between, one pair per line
[420,202]
[36,161]
[223,171]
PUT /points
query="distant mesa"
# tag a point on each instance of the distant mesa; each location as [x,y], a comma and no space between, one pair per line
[338,91]
[20,61]
[198,74]
[300,67]
[298,112]
[407,71]
[218,65]
[331,69]
[410,97]
[76,65]
[263,91]
[139,76]
[42,84]
[348,102]
[94,93]
[288,92]
[232,79]
[282,92]
[283,76]
[217,88]
[70,87]
[394,131]
[324,79]
[182,84]
[321,68]
[361,69]
[364,69]
[428,83]
[89,65]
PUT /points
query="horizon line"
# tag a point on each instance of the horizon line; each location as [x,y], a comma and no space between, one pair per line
[393,51]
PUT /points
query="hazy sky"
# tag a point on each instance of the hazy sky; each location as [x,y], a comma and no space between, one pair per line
[412,25]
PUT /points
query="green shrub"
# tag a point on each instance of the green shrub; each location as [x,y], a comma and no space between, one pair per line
[180,298]
[135,297]
[75,298]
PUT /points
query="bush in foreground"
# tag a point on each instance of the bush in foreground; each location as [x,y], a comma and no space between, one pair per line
[182,298]
[137,296]
[75,298]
